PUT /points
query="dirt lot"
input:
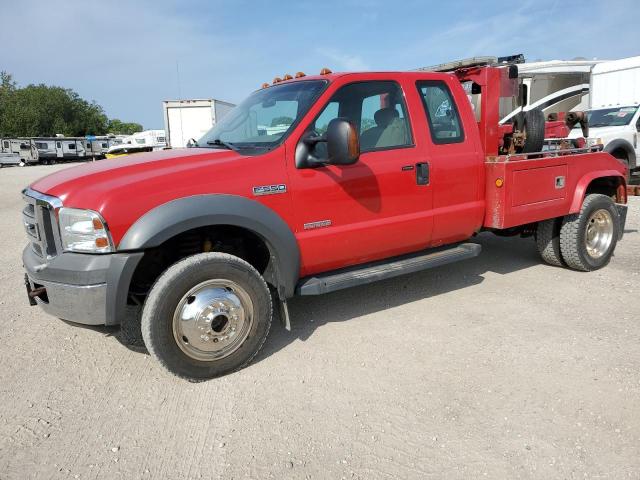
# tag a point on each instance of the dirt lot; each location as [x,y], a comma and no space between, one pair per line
[500,367]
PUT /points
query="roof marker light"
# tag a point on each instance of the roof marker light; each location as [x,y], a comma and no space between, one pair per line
[277,80]
[300,74]
[325,71]
[287,77]
[265,85]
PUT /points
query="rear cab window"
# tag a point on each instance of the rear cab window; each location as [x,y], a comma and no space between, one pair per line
[441,111]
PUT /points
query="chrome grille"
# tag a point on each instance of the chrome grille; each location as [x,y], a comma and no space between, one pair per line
[40,222]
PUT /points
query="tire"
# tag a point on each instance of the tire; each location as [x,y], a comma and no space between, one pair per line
[548,241]
[531,123]
[206,316]
[588,238]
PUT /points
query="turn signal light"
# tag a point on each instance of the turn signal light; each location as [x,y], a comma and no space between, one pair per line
[102,242]
[499,182]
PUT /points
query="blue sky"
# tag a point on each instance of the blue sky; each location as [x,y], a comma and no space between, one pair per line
[123,54]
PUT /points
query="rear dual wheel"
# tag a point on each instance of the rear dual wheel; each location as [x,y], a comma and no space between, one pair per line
[583,241]
[206,316]
[588,238]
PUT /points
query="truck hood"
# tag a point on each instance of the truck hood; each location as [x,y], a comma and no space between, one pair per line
[125,188]
[601,132]
[102,178]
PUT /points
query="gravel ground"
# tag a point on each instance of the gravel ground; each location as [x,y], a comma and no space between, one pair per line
[498,367]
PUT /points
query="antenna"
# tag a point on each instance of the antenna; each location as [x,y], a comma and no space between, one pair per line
[180,102]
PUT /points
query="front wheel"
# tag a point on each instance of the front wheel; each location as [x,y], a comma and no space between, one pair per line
[206,316]
[588,238]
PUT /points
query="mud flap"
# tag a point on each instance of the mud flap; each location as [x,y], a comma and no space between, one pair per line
[622,212]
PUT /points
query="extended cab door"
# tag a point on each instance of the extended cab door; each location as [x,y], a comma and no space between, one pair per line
[376,208]
[457,161]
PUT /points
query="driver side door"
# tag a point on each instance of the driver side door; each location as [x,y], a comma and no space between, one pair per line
[375,208]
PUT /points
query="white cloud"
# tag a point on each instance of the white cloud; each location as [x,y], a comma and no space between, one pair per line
[344,61]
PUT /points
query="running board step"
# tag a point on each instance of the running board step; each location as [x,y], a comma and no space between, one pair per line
[372,272]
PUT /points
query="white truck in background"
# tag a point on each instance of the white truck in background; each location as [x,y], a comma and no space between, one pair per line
[614,109]
[191,119]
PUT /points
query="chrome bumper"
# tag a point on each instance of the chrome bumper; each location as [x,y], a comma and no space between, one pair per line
[81,288]
[84,304]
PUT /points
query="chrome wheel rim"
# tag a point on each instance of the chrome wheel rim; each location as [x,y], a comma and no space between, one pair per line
[599,233]
[212,320]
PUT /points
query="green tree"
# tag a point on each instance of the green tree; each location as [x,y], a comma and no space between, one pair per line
[118,127]
[41,110]
[281,121]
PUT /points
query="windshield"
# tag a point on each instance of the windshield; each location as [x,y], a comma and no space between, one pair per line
[611,117]
[265,118]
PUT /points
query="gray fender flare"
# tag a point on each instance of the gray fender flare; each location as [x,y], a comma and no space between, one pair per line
[621,144]
[177,216]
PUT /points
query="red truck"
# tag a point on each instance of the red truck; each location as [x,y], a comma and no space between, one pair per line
[312,184]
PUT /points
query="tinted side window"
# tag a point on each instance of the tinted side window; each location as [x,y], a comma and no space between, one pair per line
[442,114]
[378,111]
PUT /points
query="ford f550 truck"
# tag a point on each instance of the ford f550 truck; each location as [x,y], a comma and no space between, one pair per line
[311,185]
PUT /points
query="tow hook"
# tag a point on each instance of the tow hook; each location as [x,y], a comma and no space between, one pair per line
[30,291]
[36,292]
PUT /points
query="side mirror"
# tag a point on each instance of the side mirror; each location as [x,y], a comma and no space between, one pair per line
[343,146]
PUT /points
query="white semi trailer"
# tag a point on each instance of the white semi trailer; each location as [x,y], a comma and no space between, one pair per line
[191,119]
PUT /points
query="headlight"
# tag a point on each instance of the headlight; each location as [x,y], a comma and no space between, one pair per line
[84,231]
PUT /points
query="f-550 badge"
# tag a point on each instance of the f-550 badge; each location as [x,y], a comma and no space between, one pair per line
[269,189]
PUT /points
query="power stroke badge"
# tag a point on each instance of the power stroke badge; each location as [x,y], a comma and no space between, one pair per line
[269,189]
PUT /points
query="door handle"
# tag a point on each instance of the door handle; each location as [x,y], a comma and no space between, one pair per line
[422,173]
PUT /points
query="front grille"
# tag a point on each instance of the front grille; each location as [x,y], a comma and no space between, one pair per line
[39,218]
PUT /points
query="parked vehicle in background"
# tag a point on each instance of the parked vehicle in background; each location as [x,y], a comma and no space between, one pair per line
[53,149]
[10,159]
[614,113]
[126,149]
[554,86]
[368,176]
[49,151]
[156,139]
[24,147]
[190,119]
[97,147]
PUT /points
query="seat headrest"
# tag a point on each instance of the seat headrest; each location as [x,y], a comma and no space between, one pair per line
[385,116]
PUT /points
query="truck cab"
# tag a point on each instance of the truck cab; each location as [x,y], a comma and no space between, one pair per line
[312,184]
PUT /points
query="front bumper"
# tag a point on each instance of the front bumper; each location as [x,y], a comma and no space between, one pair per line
[81,288]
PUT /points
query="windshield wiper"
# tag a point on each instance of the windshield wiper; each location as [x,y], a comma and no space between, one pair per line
[220,143]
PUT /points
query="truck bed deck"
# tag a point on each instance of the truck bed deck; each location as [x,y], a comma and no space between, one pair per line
[522,189]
